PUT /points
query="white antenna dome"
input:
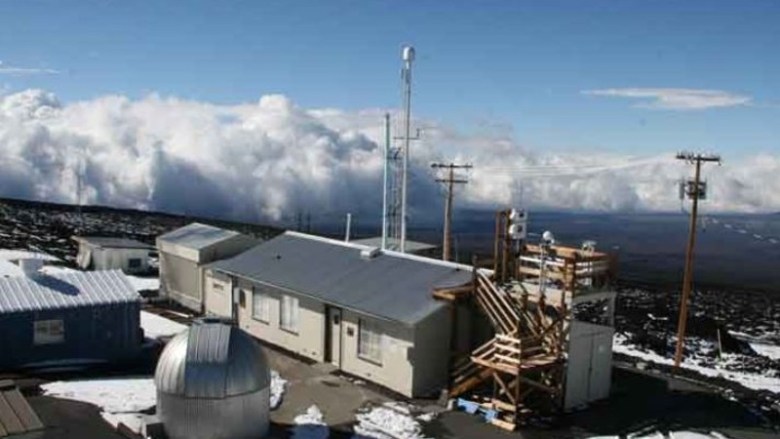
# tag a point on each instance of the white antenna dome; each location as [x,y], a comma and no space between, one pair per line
[548,237]
[407,53]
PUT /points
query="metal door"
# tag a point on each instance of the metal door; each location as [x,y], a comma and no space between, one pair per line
[334,330]
[600,364]
[578,367]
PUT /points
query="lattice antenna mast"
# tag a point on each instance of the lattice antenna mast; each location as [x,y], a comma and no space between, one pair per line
[694,190]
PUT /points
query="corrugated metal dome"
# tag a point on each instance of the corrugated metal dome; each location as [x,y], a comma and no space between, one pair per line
[213,381]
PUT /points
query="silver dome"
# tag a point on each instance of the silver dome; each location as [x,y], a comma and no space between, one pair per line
[212,360]
[213,382]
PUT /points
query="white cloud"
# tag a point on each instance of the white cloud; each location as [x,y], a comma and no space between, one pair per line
[676,98]
[272,159]
[6,69]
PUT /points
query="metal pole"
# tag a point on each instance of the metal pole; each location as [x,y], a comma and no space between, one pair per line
[407,135]
[348,228]
[385,182]
[682,323]
[446,253]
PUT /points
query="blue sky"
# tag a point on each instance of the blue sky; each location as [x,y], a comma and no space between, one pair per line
[484,64]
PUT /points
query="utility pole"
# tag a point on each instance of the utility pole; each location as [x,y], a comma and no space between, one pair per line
[693,189]
[450,181]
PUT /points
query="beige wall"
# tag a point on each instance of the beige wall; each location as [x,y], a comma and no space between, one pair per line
[309,341]
[180,280]
[395,372]
[403,369]
[218,296]
[432,352]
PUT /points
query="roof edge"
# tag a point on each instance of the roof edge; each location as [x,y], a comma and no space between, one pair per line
[392,253]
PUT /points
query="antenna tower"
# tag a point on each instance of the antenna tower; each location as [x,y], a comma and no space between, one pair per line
[397,166]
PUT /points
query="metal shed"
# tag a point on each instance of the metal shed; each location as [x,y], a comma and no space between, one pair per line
[184,251]
[213,382]
[79,317]
[105,253]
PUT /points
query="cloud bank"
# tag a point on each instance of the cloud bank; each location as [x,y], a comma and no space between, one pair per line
[272,159]
[675,98]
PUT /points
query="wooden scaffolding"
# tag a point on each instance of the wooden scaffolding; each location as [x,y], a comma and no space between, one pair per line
[527,298]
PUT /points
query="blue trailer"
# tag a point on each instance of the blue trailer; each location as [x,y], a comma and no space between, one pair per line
[68,319]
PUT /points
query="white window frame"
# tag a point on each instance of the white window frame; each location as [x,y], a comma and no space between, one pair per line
[261,305]
[48,331]
[370,341]
[289,312]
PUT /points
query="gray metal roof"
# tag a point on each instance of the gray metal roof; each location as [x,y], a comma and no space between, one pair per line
[389,285]
[395,244]
[197,236]
[67,290]
[109,242]
[212,360]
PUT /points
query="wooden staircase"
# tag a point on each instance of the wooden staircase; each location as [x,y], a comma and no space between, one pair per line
[519,357]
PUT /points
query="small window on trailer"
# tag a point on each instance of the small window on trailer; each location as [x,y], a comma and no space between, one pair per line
[370,340]
[261,305]
[134,263]
[289,314]
[48,331]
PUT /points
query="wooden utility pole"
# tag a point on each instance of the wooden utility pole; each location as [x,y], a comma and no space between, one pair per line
[694,190]
[450,181]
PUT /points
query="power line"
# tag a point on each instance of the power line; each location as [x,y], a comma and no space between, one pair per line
[450,182]
[695,190]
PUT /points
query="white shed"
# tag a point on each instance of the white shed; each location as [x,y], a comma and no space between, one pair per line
[184,251]
[104,253]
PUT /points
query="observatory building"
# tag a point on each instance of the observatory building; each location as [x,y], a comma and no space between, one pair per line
[213,382]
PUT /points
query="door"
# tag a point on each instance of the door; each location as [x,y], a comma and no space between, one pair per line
[600,364]
[334,336]
[578,367]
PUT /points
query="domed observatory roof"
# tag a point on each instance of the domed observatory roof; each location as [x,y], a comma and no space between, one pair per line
[213,382]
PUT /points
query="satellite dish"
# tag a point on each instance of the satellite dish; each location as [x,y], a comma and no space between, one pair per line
[548,237]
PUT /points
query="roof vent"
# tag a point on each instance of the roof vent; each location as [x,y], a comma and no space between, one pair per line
[369,253]
[30,266]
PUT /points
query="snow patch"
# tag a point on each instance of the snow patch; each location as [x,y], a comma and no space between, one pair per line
[310,425]
[53,270]
[389,421]
[155,326]
[749,380]
[671,435]
[277,389]
[144,283]
[120,395]
[767,350]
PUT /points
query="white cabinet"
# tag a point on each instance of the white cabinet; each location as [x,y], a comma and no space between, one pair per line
[589,371]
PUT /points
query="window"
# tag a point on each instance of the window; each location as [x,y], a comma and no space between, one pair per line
[48,332]
[369,341]
[216,286]
[289,318]
[261,306]
[134,263]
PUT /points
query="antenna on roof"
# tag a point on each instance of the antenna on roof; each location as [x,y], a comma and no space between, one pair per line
[397,158]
